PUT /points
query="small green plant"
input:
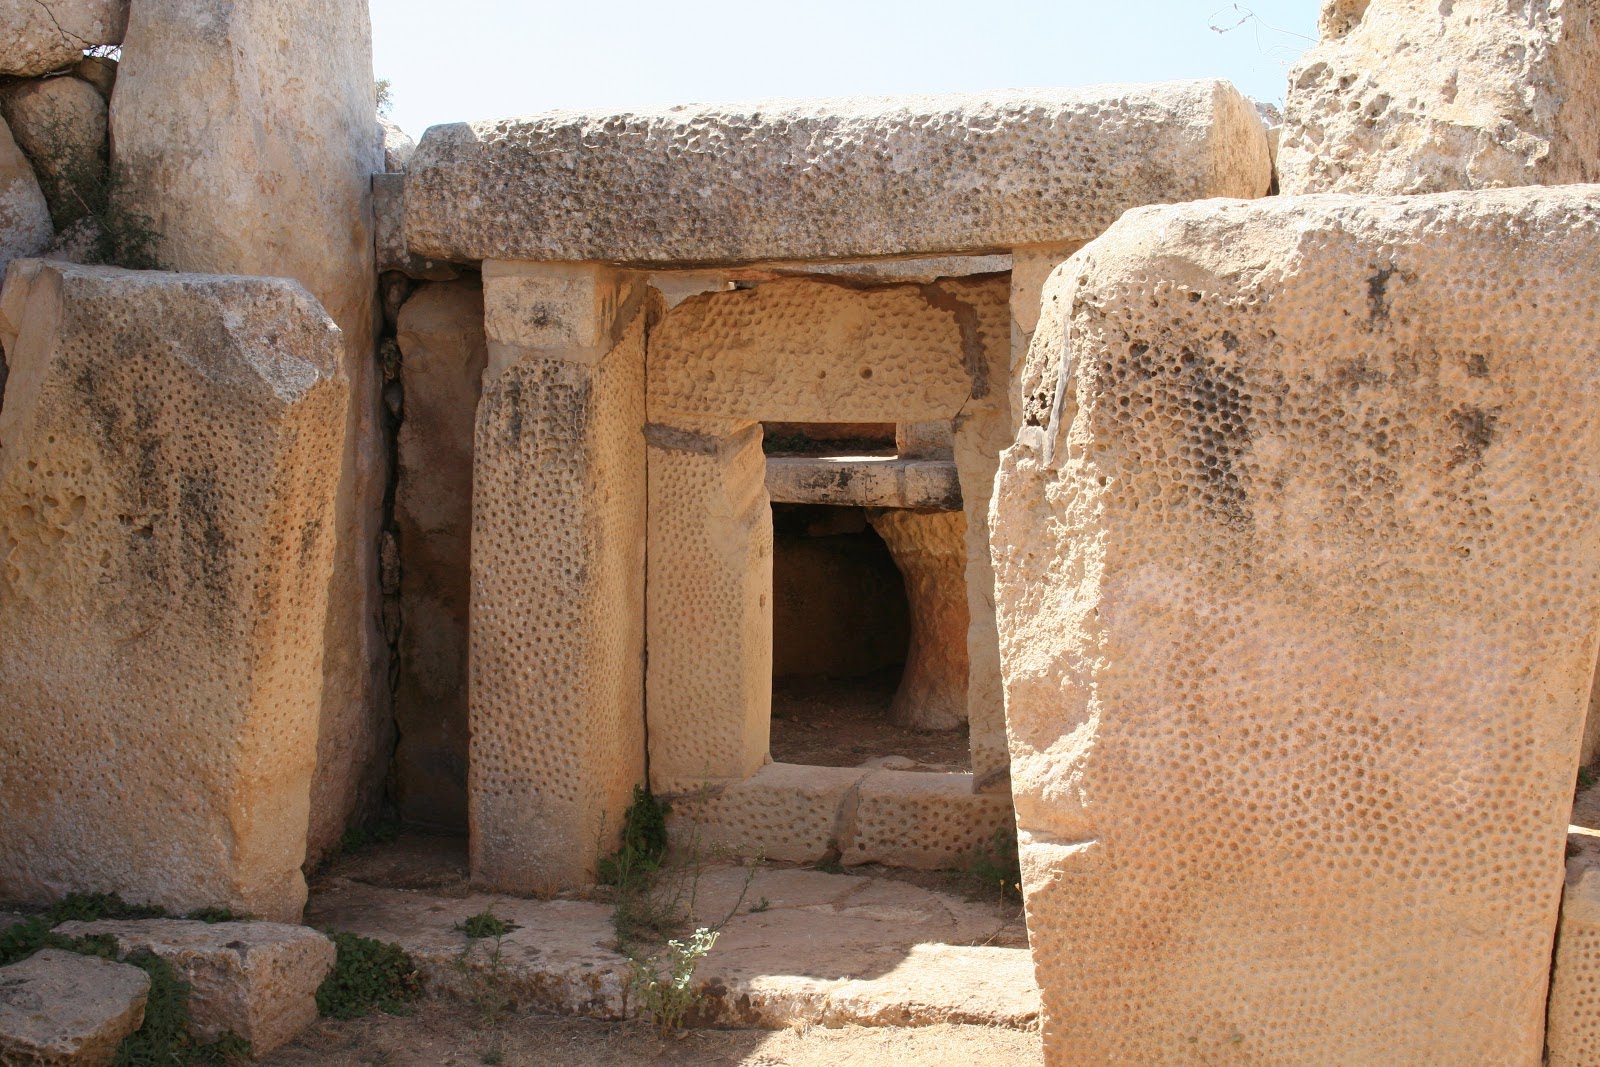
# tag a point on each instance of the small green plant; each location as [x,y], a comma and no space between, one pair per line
[994,865]
[384,91]
[664,982]
[86,204]
[367,976]
[760,906]
[486,924]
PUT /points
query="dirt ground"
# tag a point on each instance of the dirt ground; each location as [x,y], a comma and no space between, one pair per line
[842,722]
[444,1034]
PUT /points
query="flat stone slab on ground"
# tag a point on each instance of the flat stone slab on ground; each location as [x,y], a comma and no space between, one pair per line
[59,1007]
[827,949]
[255,979]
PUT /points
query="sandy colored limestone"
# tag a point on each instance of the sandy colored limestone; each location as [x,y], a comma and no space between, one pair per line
[440,333]
[827,179]
[25,227]
[245,132]
[1296,557]
[930,549]
[59,1007]
[1417,96]
[257,980]
[1573,1038]
[167,483]
[61,124]
[926,821]
[558,562]
[708,606]
[37,38]
[807,350]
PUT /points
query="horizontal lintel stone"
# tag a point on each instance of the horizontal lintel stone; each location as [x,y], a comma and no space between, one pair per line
[827,179]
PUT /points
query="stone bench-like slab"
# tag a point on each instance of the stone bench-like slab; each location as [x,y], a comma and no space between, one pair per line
[60,1007]
[827,179]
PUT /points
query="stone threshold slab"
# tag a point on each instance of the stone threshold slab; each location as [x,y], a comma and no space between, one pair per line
[802,946]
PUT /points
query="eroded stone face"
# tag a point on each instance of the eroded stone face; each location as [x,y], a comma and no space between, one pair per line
[1574,1034]
[827,179]
[1296,569]
[809,350]
[245,133]
[37,38]
[169,462]
[59,1007]
[930,548]
[25,227]
[1415,96]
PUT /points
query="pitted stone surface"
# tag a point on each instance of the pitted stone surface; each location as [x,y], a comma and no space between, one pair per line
[169,459]
[37,38]
[59,1007]
[1416,96]
[930,548]
[557,650]
[1573,1039]
[440,333]
[926,821]
[827,179]
[709,607]
[1298,566]
[804,350]
[254,979]
[245,133]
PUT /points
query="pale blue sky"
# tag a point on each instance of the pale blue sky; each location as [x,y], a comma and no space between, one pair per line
[450,60]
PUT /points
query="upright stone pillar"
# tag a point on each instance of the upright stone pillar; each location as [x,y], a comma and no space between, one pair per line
[1296,578]
[709,689]
[169,459]
[558,567]
[930,548]
[1574,1036]
[245,134]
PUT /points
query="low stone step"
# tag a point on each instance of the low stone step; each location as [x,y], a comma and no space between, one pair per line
[255,979]
[59,1007]
[801,946]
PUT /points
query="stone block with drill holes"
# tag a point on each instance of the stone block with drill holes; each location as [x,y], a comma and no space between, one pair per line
[556,664]
[709,605]
[1296,557]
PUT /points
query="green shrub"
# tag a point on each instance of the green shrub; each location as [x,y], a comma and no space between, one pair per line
[367,976]
[486,924]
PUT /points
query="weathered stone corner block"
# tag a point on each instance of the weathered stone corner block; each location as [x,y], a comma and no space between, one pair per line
[169,460]
[827,179]
[1296,556]
[1415,96]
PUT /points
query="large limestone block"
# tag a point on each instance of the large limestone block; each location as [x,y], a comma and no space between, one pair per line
[1417,96]
[257,980]
[61,124]
[930,548]
[1296,558]
[39,36]
[828,179]
[1573,1039]
[556,663]
[809,350]
[708,686]
[60,1007]
[443,352]
[924,821]
[25,227]
[244,131]
[169,459]
[865,482]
